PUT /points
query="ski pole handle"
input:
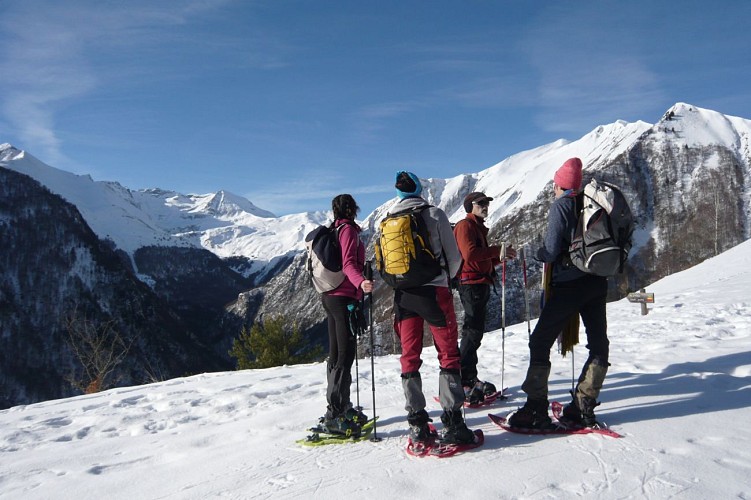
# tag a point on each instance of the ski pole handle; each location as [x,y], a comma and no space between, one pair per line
[367,271]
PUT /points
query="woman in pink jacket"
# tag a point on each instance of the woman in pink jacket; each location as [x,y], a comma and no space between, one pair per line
[340,304]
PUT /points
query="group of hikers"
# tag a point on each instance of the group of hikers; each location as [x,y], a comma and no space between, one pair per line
[465,256]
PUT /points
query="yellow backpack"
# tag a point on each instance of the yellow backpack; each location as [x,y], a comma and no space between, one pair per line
[402,250]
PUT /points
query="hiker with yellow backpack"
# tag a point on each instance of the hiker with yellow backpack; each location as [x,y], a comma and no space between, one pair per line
[416,255]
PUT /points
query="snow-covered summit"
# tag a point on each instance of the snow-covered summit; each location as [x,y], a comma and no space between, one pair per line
[222,204]
[694,126]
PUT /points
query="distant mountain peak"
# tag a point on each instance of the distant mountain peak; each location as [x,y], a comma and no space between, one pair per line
[8,152]
[223,202]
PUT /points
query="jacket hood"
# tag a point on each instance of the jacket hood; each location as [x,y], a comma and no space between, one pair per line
[407,204]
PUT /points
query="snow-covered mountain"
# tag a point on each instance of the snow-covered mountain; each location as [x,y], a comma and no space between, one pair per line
[217,262]
[223,223]
[518,180]
[231,226]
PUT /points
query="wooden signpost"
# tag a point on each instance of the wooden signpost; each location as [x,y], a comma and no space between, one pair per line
[643,298]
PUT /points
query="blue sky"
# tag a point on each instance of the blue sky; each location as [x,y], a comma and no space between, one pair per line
[292,102]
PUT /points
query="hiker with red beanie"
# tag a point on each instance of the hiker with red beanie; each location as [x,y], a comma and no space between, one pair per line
[572,292]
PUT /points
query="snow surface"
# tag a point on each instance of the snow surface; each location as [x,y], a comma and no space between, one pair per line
[679,390]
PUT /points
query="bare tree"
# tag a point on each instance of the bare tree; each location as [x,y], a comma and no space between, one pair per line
[99,348]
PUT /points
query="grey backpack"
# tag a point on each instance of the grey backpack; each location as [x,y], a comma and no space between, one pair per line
[604,232]
[324,257]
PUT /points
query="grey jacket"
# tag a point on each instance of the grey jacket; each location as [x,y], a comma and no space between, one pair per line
[562,221]
[442,241]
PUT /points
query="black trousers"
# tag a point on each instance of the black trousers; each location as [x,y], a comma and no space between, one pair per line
[585,296]
[342,351]
[474,300]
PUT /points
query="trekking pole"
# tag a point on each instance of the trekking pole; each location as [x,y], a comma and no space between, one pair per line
[369,276]
[354,327]
[526,292]
[573,371]
[503,312]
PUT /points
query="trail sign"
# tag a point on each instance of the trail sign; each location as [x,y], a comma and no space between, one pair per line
[642,297]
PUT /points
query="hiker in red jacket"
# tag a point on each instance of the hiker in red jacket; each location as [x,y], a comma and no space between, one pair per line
[476,277]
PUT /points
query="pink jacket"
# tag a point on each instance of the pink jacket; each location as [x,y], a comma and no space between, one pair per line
[353,260]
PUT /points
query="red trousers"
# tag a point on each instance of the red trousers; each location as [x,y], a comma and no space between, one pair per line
[412,308]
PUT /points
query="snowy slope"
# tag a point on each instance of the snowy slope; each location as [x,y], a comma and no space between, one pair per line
[518,180]
[678,389]
[221,222]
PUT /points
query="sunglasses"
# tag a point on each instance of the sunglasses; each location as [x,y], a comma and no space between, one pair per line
[484,203]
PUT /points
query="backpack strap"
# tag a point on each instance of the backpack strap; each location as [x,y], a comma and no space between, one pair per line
[338,228]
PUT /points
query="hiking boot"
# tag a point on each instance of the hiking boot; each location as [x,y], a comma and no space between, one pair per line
[587,406]
[473,394]
[419,430]
[580,411]
[488,388]
[588,389]
[356,415]
[571,413]
[420,433]
[343,426]
[533,415]
[455,431]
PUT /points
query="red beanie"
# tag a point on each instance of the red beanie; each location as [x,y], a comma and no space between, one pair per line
[569,176]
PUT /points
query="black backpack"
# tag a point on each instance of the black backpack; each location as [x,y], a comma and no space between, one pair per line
[325,257]
[604,232]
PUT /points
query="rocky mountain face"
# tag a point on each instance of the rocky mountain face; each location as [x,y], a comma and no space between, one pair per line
[59,285]
[181,290]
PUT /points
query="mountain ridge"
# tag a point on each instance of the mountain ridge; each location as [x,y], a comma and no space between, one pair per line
[232,226]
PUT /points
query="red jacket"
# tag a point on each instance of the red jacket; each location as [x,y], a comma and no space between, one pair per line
[480,259]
